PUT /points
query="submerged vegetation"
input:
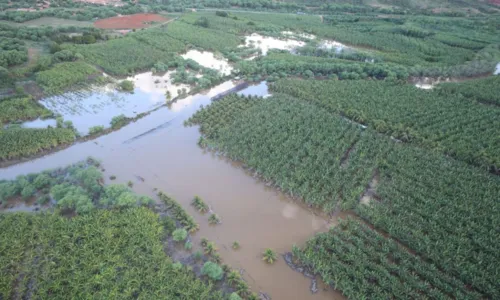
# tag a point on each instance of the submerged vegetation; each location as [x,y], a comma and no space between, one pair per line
[269,256]
[178,213]
[343,131]
[199,204]
[313,153]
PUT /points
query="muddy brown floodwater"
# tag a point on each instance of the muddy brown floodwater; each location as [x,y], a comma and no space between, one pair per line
[164,154]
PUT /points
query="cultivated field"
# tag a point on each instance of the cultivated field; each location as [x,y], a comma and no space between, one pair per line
[130,22]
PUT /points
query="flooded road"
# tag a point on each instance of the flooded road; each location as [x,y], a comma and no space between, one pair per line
[165,154]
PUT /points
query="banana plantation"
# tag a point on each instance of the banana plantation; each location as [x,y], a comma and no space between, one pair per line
[440,208]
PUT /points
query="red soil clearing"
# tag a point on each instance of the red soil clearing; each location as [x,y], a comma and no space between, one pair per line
[129,22]
[495,2]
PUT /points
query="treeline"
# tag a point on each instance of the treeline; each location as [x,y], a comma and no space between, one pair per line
[88,13]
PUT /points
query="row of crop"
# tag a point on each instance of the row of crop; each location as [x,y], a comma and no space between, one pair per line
[199,36]
[159,39]
[105,254]
[63,75]
[122,56]
[363,264]
[220,114]
[442,208]
[484,90]
[289,143]
[453,125]
[20,142]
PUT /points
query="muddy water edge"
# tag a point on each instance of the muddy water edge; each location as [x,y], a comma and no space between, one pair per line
[158,152]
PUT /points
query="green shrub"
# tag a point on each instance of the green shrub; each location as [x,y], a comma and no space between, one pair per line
[188,245]
[168,224]
[28,191]
[118,121]
[118,196]
[179,234]
[8,190]
[43,200]
[96,129]
[145,201]
[212,270]
[127,86]
[198,255]
[76,199]
[234,296]
[177,266]
[236,245]
[41,181]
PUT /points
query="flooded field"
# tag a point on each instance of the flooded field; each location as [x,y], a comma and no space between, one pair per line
[209,60]
[162,152]
[98,106]
[265,43]
[333,45]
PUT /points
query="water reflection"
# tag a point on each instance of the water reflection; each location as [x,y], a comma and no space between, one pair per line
[261,89]
[39,123]
[209,60]
[265,43]
[98,106]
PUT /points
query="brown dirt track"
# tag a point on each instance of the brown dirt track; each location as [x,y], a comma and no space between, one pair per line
[129,22]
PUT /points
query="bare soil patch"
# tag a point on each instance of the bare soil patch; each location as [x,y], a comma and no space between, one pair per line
[135,21]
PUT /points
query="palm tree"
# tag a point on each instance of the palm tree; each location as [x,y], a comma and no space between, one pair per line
[269,256]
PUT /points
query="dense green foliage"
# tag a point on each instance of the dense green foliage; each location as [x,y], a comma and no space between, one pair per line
[451,124]
[289,143]
[122,56]
[20,142]
[64,75]
[16,109]
[87,14]
[212,270]
[127,86]
[159,38]
[363,264]
[106,254]
[443,209]
[484,90]
[279,65]
[202,37]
